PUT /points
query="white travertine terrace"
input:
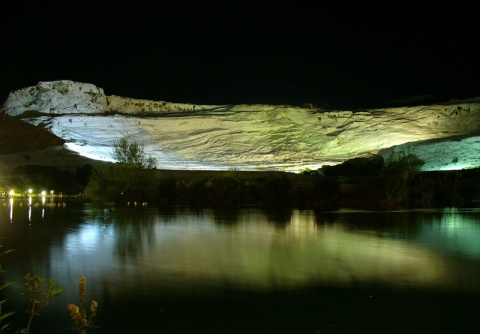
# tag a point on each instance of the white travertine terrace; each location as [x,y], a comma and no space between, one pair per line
[188,136]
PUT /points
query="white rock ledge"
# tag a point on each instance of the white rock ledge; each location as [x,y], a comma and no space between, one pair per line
[190,136]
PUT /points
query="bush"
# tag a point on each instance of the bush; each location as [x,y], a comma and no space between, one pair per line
[118,183]
[128,180]
[132,154]
[355,167]
[275,190]
[408,163]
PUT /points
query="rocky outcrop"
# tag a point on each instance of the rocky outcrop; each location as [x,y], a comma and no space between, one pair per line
[57,97]
[69,97]
[440,154]
[188,136]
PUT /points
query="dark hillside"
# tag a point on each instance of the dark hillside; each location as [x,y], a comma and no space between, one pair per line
[18,136]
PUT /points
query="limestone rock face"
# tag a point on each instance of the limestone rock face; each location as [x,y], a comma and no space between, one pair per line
[440,154]
[57,97]
[188,136]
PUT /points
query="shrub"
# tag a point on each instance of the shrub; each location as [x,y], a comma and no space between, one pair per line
[128,180]
[132,154]
[356,167]
[119,183]
[39,292]
[81,318]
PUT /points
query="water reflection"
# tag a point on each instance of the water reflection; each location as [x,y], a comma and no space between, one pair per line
[10,207]
[453,231]
[150,251]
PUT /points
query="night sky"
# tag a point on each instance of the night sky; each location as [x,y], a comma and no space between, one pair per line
[330,54]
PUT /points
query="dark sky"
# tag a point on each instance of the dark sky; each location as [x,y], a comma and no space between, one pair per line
[229,52]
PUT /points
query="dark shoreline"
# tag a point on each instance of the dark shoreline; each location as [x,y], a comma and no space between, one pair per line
[69,174]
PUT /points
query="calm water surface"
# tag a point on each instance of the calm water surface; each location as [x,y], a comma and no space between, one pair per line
[187,270]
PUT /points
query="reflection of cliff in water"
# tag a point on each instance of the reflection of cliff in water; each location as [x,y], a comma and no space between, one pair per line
[245,251]
[453,231]
[179,250]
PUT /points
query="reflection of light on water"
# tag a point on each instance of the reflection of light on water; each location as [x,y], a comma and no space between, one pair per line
[303,222]
[190,250]
[255,255]
[85,239]
[193,250]
[451,221]
[43,205]
[454,232]
[10,207]
[29,208]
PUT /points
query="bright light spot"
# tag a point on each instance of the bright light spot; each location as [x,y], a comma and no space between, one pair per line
[11,192]
[456,167]
[10,202]
[44,193]
[30,190]
[92,152]
[87,238]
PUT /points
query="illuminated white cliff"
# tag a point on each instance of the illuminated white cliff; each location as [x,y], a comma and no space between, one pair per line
[277,137]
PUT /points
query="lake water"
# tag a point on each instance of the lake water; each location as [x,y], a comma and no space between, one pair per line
[247,270]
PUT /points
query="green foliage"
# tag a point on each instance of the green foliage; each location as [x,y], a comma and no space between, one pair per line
[326,187]
[226,190]
[376,177]
[307,171]
[407,163]
[276,190]
[119,183]
[374,165]
[132,154]
[356,167]
[82,174]
[167,190]
[45,178]
[229,188]
[4,315]
[81,319]
[130,179]
[38,292]
[396,177]
[4,327]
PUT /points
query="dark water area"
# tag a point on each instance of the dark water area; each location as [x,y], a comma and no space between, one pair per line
[247,270]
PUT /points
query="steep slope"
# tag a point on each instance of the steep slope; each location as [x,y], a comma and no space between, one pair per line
[18,136]
[187,136]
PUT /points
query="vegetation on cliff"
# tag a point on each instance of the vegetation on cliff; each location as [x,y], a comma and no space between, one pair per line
[371,182]
[129,179]
[358,182]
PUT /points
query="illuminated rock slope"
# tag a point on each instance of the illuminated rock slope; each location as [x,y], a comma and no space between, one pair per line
[249,136]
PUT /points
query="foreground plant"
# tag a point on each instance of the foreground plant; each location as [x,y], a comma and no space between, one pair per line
[39,292]
[82,321]
[4,315]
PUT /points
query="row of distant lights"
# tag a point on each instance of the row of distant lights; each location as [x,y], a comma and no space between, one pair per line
[11,193]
